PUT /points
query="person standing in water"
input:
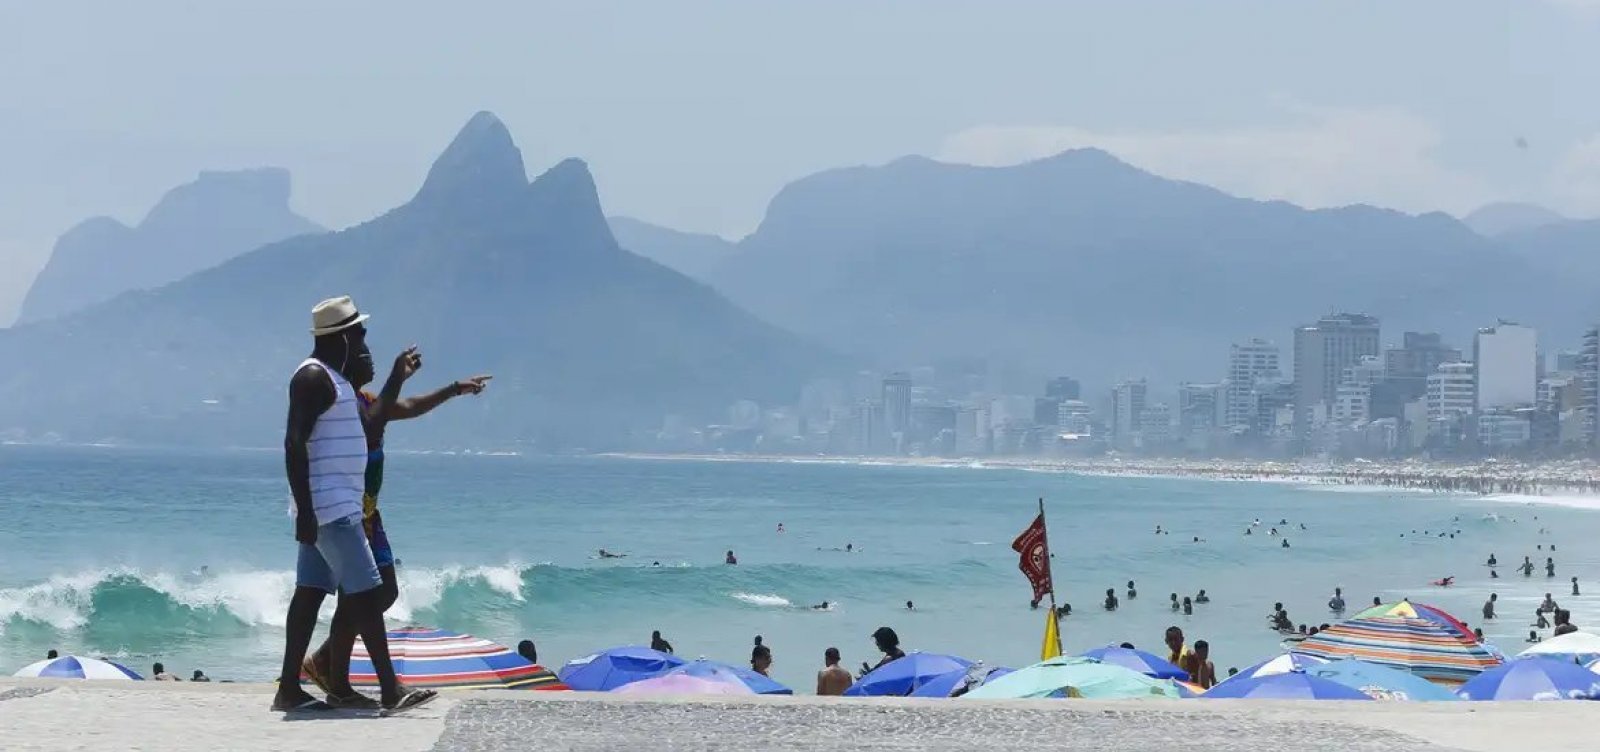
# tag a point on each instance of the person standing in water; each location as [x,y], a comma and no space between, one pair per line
[1488,606]
[1549,567]
[832,680]
[1336,603]
[1111,599]
[1527,566]
[1132,593]
[730,559]
[377,411]
[1574,585]
[325,449]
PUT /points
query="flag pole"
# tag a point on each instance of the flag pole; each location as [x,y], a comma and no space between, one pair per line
[1050,570]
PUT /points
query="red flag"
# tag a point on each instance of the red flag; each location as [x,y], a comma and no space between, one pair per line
[1035,560]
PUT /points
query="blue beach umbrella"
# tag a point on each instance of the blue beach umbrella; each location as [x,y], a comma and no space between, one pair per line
[1074,677]
[1148,664]
[74,667]
[609,669]
[902,676]
[944,685]
[1283,664]
[757,683]
[1533,679]
[1381,682]
[1295,685]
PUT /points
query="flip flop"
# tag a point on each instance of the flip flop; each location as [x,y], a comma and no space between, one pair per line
[353,701]
[309,668]
[413,699]
[310,705]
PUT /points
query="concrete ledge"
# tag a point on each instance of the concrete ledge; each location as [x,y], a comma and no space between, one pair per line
[73,715]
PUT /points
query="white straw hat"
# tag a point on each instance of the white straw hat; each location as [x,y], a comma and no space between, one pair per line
[335,315]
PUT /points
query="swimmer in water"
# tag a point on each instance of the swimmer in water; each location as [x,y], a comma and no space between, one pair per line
[1111,599]
[604,554]
[823,606]
[1175,604]
[1202,597]
[1132,593]
[1188,606]
[1285,543]
[1445,581]
[1247,531]
[730,559]
[780,527]
[911,606]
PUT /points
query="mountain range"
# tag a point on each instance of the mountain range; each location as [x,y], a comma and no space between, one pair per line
[1082,264]
[484,270]
[194,226]
[694,254]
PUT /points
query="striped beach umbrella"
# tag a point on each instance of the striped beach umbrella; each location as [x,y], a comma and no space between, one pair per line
[74,667]
[1411,637]
[430,658]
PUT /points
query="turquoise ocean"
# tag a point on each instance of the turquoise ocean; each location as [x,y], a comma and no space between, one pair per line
[186,556]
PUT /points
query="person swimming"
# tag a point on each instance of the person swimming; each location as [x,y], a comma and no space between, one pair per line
[823,606]
[911,606]
[730,559]
[1445,581]
[1132,593]
[1175,604]
[1188,606]
[1202,597]
[604,554]
[1111,599]
[1285,543]
[1336,603]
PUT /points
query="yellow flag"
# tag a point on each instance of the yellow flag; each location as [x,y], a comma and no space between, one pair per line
[1052,637]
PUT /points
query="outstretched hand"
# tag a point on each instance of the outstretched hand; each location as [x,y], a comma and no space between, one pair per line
[474,385]
[407,363]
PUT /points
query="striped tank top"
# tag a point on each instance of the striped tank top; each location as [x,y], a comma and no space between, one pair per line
[338,452]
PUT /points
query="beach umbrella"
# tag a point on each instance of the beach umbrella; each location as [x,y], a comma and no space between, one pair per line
[705,669]
[902,676]
[1281,664]
[75,667]
[1533,679]
[428,658]
[1145,663]
[1578,647]
[1187,689]
[1295,685]
[683,684]
[1381,682]
[609,669]
[945,685]
[1074,676]
[1411,637]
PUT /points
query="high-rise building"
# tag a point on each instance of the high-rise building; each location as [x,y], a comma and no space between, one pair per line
[1155,426]
[1507,358]
[1127,411]
[1249,363]
[1418,356]
[1321,353]
[1450,391]
[1567,361]
[1072,416]
[1589,386]
[1062,388]
[897,407]
[1201,408]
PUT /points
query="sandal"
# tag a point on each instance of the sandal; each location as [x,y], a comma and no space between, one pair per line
[309,705]
[309,668]
[414,698]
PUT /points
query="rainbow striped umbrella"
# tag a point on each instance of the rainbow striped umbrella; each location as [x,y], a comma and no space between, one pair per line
[1411,637]
[430,658]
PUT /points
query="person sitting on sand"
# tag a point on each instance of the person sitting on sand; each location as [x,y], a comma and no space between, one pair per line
[761,659]
[1488,605]
[659,644]
[158,672]
[888,643]
[1111,599]
[1336,603]
[1202,597]
[199,676]
[1132,593]
[730,559]
[1175,605]
[832,680]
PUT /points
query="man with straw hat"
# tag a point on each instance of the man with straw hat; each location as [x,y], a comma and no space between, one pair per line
[326,457]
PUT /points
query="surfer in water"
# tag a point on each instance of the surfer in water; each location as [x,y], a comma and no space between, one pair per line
[604,554]
[823,606]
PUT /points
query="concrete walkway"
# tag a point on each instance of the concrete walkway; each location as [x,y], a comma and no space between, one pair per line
[64,715]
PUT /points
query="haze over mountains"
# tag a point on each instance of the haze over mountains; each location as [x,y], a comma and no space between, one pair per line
[1084,265]
[485,270]
[1077,264]
[195,226]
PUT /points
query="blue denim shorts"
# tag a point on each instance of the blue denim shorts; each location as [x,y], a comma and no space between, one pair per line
[341,561]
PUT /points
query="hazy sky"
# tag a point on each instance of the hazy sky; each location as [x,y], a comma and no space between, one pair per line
[693,113]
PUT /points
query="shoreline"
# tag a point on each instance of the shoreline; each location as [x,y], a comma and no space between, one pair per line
[1544,479]
[183,716]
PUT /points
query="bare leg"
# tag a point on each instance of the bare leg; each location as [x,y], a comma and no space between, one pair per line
[342,638]
[300,624]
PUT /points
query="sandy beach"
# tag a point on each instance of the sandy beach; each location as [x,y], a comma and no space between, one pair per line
[1530,479]
[66,716]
